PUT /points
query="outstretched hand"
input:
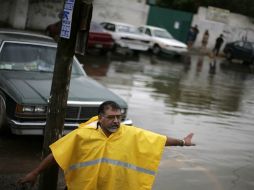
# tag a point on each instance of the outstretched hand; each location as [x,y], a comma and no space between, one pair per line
[29,178]
[32,176]
[188,139]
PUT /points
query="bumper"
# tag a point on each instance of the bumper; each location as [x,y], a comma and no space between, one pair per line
[97,45]
[133,46]
[37,128]
[173,50]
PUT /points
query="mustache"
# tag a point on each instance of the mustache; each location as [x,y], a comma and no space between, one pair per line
[114,126]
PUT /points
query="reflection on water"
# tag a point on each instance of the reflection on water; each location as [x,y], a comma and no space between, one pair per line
[212,98]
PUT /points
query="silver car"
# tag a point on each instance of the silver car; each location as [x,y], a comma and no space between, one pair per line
[127,36]
[163,41]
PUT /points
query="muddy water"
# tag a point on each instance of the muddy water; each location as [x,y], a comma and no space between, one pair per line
[212,98]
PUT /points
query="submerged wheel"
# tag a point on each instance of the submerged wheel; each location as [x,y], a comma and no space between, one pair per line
[156,49]
[3,123]
[229,56]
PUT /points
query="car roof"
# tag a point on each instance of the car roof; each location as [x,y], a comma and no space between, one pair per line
[118,23]
[24,35]
[153,27]
[242,41]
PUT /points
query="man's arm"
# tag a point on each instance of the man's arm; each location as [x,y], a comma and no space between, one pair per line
[32,176]
[186,141]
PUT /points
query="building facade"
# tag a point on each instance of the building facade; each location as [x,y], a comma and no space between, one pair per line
[38,14]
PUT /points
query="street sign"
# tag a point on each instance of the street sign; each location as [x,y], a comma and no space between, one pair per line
[67,19]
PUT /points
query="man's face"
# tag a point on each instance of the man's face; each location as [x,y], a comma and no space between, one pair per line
[110,120]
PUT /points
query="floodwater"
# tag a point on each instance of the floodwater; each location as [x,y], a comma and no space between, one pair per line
[212,98]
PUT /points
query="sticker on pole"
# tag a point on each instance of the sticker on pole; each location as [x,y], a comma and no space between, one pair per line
[66,19]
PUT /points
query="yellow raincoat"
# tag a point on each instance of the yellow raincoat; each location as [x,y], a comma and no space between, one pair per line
[126,160]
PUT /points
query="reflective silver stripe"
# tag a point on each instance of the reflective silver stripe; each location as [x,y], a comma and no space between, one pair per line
[110,161]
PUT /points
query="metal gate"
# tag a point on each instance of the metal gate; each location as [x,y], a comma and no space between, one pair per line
[176,22]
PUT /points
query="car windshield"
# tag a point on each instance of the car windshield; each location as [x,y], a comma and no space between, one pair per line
[30,57]
[95,27]
[162,34]
[128,29]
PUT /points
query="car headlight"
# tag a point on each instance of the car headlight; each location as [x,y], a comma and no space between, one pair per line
[40,109]
[29,109]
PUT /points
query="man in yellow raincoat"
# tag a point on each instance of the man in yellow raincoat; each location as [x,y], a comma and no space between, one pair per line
[103,154]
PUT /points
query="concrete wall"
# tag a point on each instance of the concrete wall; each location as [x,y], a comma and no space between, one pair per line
[4,13]
[129,11]
[14,13]
[234,27]
[39,14]
[19,12]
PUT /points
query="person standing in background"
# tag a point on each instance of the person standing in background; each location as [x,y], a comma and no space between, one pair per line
[219,41]
[196,31]
[205,39]
[192,36]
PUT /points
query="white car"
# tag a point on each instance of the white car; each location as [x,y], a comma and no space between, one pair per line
[163,41]
[127,36]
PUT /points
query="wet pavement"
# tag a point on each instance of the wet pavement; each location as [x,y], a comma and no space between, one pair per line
[172,96]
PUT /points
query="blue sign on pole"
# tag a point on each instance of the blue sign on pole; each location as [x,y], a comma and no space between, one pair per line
[67,19]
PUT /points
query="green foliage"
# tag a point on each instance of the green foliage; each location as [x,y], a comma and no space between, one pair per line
[245,7]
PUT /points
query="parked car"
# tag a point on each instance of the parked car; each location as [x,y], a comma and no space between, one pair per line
[26,71]
[163,41]
[97,38]
[241,50]
[127,36]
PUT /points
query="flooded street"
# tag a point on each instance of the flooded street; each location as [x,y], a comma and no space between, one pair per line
[213,99]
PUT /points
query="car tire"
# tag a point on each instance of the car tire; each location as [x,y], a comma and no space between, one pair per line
[3,120]
[47,32]
[252,61]
[156,49]
[247,63]
[229,56]
[103,51]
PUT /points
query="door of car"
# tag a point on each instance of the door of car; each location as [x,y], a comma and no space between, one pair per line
[247,51]
[238,50]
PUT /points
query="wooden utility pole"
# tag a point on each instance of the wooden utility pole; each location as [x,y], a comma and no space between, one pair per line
[75,23]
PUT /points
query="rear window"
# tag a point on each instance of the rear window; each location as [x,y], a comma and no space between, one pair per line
[162,34]
[128,29]
[95,27]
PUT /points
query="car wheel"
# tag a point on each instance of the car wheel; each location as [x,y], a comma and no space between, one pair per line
[252,62]
[103,51]
[47,32]
[3,122]
[229,56]
[247,63]
[156,49]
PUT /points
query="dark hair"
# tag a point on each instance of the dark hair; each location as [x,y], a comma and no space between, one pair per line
[107,105]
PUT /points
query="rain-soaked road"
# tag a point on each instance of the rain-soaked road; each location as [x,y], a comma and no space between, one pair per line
[212,98]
